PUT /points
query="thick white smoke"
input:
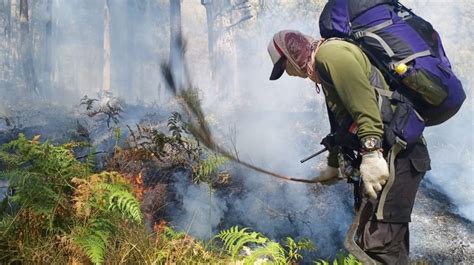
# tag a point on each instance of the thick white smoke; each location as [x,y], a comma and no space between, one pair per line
[272,123]
[451,144]
[202,210]
[280,122]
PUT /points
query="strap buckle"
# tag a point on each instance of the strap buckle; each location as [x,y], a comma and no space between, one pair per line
[359,35]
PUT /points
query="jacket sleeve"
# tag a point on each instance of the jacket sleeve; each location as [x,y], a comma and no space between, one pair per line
[340,67]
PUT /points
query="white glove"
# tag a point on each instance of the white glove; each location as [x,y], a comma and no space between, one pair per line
[374,172]
[328,176]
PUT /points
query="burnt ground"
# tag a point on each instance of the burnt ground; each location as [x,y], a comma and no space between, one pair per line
[438,235]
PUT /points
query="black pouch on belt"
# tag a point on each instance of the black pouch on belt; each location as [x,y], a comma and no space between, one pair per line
[406,124]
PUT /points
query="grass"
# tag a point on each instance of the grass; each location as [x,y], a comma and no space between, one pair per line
[63,212]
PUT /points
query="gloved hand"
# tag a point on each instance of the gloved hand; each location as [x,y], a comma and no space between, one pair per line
[374,172]
[328,176]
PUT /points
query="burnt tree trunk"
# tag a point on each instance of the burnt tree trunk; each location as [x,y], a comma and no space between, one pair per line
[26,48]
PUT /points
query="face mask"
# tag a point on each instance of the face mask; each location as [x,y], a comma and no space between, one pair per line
[311,66]
[291,70]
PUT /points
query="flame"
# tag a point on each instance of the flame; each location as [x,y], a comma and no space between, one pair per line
[138,187]
[159,228]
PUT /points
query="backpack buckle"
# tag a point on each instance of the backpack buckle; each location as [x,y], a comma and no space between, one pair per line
[359,35]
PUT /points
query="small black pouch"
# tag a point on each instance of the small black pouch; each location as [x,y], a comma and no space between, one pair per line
[406,124]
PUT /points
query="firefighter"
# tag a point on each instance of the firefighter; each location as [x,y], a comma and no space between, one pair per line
[348,79]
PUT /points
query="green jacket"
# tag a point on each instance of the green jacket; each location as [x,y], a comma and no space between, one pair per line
[345,74]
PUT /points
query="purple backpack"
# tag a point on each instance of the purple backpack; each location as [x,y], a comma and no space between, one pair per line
[404,47]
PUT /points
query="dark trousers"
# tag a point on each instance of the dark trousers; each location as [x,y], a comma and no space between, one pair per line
[386,240]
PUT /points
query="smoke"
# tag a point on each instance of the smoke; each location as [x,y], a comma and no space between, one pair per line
[201,210]
[139,32]
[451,143]
[272,124]
[277,123]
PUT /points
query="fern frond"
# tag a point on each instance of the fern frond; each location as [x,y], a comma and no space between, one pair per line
[234,239]
[341,259]
[294,248]
[90,160]
[82,194]
[93,239]
[94,246]
[108,191]
[73,250]
[173,234]
[127,204]
[204,170]
[272,250]
[351,260]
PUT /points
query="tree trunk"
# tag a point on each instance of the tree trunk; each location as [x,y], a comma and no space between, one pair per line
[27,49]
[211,39]
[54,74]
[7,10]
[106,70]
[3,18]
[13,15]
[176,62]
[4,40]
[131,35]
[47,61]
[223,52]
[7,40]
[261,7]
[14,42]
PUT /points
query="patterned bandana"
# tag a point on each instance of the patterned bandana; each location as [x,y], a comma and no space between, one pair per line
[297,48]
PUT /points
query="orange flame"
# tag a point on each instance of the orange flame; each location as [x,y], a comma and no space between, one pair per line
[138,187]
[159,229]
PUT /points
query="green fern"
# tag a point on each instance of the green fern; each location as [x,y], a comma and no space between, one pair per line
[172,234]
[262,248]
[40,174]
[294,248]
[341,259]
[204,170]
[127,204]
[103,201]
[58,197]
[93,239]
[347,260]
[272,251]
[90,160]
[234,239]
